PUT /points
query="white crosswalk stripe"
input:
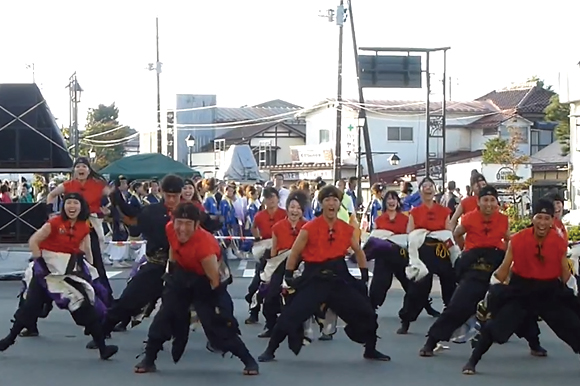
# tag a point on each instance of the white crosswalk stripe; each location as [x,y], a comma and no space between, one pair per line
[112,274]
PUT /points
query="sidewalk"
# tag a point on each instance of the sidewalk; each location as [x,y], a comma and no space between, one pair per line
[13,261]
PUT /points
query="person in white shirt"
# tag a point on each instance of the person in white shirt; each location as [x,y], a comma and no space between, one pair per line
[282,191]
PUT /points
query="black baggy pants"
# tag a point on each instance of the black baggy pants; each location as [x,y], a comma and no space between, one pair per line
[100,267]
[339,293]
[215,311]
[28,313]
[474,269]
[143,288]
[548,299]
[272,306]
[391,264]
[417,295]
[255,284]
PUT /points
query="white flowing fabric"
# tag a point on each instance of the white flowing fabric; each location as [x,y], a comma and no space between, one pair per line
[28,273]
[417,269]
[97,224]
[400,240]
[260,248]
[57,264]
[272,264]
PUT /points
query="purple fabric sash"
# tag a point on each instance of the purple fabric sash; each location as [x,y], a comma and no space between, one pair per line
[376,247]
[136,265]
[41,272]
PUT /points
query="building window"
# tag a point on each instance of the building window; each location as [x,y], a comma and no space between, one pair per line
[267,158]
[539,139]
[490,131]
[399,133]
[324,136]
[522,132]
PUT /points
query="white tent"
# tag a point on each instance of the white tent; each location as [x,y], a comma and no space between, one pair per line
[238,164]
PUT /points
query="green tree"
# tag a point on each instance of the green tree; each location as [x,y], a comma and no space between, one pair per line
[560,113]
[104,135]
[506,152]
[539,82]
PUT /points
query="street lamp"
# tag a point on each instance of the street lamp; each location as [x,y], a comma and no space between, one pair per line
[75,91]
[394,160]
[190,141]
[92,155]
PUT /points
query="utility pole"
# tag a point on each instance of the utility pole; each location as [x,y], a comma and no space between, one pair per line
[31,68]
[362,113]
[157,68]
[336,166]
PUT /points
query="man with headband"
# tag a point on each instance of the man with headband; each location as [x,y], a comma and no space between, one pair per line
[322,245]
[194,277]
[535,269]
[486,232]
[146,285]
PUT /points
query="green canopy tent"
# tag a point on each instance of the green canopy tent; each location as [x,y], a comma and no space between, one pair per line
[146,166]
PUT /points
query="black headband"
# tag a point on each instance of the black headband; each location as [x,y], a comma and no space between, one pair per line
[488,190]
[73,196]
[544,207]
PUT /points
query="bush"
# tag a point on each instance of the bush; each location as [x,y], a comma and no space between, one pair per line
[517,223]
[574,233]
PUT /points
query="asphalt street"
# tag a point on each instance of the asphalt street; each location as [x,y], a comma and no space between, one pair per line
[58,356]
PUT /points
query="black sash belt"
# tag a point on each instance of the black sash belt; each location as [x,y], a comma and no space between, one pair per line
[158,257]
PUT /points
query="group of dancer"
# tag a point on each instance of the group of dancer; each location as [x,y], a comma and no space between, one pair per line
[508,281]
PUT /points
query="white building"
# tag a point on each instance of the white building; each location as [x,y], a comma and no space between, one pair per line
[400,126]
[570,93]
[200,117]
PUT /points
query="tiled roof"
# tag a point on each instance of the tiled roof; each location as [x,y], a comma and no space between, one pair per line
[475,107]
[242,134]
[551,154]
[493,120]
[233,114]
[248,132]
[527,100]
[278,103]
[391,175]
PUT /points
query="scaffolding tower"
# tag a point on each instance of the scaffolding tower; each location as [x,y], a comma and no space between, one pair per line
[219,150]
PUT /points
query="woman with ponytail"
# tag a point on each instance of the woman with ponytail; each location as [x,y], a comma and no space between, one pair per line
[92,187]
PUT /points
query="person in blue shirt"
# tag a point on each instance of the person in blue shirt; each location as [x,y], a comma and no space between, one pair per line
[230,225]
[154,195]
[209,200]
[308,212]
[351,191]
[376,205]
[250,211]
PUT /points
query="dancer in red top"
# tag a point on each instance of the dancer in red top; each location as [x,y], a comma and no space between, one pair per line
[194,278]
[262,230]
[487,235]
[92,186]
[322,245]
[536,259]
[284,234]
[390,259]
[59,249]
[433,253]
